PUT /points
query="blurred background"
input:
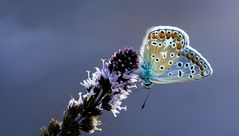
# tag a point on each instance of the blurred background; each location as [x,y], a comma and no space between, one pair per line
[46,47]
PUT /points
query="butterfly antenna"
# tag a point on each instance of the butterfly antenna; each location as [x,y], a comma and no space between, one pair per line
[142,57]
[143,105]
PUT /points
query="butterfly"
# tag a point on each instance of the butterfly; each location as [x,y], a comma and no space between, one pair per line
[167,57]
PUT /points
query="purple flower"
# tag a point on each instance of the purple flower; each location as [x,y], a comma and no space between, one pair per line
[105,90]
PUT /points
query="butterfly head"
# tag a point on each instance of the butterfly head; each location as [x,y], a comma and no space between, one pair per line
[147,84]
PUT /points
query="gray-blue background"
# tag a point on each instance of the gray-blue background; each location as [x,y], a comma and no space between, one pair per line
[46,47]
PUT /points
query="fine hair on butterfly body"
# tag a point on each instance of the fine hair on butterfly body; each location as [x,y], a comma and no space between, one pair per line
[167,58]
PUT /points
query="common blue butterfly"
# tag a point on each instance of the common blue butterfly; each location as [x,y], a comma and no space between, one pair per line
[168,58]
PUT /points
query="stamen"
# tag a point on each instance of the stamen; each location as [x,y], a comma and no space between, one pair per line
[103,61]
[88,72]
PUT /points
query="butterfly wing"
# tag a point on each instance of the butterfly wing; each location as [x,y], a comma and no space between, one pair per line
[190,66]
[161,48]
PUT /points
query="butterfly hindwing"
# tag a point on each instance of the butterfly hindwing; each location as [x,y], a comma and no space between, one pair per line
[190,66]
[162,47]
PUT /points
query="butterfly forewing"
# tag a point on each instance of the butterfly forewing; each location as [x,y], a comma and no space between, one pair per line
[162,48]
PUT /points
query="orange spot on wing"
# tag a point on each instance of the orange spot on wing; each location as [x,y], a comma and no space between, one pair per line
[173,35]
[168,35]
[178,38]
[201,67]
[162,35]
[180,46]
[194,59]
[189,56]
[198,63]
[152,36]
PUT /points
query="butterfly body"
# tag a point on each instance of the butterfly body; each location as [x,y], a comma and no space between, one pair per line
[145,74]
[167,58]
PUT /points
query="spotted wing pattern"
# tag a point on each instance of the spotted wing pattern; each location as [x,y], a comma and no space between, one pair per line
[190,66]
[162,48]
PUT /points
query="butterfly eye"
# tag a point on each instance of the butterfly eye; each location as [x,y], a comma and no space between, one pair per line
[174,45]
[156,32]
[160,44]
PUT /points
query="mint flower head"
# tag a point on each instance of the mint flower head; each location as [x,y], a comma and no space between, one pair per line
[106,89]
